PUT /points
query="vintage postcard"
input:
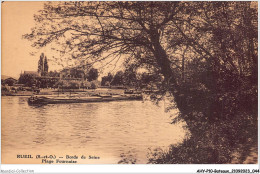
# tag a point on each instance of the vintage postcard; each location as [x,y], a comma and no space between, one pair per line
[129,82]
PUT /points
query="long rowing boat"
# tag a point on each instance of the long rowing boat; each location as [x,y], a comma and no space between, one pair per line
[37,100]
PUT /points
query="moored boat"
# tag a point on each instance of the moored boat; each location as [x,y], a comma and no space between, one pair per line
[35,100]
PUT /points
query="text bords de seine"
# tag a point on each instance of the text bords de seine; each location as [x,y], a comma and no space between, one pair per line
[49,159]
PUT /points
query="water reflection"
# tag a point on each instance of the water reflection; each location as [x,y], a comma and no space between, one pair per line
[115,131]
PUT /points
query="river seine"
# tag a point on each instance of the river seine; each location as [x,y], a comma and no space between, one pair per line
[105,133]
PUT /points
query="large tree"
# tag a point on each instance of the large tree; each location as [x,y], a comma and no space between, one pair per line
[41,64]
[46,66]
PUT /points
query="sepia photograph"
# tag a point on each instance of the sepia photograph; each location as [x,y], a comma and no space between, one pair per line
[129,82]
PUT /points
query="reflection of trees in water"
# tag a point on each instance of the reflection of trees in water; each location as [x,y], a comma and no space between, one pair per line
[22,100]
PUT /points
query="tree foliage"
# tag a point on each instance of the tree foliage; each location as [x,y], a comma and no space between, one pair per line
[9,81]
[43,66]
[106,80]
[46,66]
[40,64]
[118,79]
[92,74]
[27,79]
[76,73]
[54,74]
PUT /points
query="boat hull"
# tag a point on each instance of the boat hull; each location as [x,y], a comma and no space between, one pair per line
[57,100]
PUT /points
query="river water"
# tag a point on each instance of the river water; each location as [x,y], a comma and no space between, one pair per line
[112,131]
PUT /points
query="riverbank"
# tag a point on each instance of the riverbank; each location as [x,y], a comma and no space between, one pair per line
[87,92]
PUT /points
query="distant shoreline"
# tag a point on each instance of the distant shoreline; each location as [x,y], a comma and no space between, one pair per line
[55,92]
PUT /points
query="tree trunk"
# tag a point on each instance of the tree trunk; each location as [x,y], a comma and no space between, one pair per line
[165,65]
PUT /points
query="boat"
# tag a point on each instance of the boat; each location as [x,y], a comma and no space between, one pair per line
[42,100]
[129,91]
[132,91]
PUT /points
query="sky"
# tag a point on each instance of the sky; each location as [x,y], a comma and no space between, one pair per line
[17,20]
